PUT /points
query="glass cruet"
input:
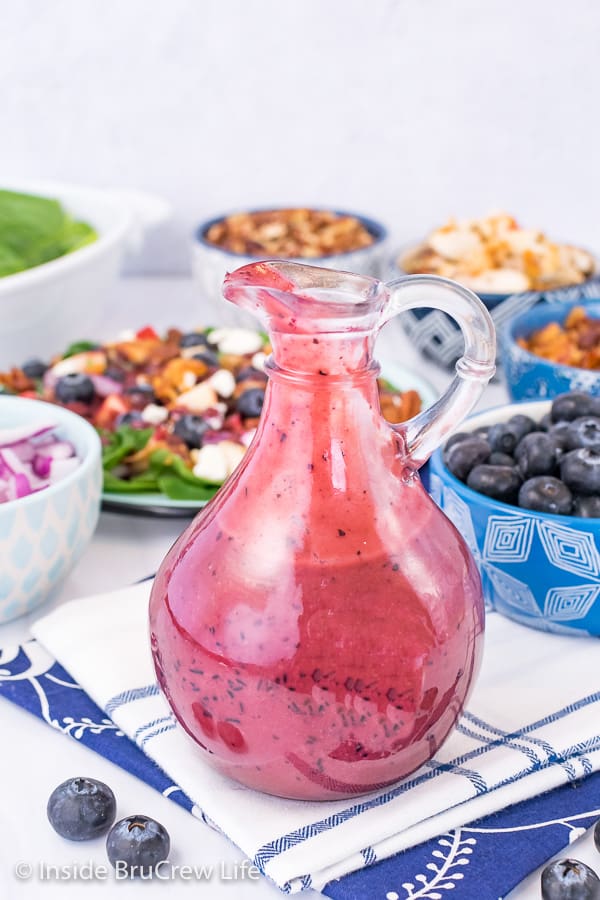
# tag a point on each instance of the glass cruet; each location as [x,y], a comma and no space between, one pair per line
[318,625]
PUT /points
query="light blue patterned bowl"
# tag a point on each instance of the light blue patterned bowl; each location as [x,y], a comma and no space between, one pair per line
[530,377]
[44,534]
[538,569]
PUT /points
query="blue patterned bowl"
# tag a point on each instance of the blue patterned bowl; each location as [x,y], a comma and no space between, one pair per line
[530,377]
[538,569]
[43,535]
[437,335]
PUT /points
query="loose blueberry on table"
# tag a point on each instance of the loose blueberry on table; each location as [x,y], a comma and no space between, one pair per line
[569,879]
[81,808]
[551,466]
[137,844]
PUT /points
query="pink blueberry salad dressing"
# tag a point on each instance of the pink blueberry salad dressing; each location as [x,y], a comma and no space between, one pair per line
[317,627]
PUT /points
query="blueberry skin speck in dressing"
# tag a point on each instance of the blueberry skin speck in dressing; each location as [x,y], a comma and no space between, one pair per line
[317,627]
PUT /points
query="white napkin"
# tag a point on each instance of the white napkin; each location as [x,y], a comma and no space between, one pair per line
[533,723]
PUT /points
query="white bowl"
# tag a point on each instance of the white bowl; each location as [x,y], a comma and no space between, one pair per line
[44,534]
[46,307]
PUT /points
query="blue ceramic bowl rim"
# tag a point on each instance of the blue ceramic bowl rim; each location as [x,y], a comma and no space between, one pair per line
[474,497]
[553,311]
[496,299]
[91,458]
[376,229]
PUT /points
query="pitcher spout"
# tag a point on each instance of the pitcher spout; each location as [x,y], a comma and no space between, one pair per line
[293,297]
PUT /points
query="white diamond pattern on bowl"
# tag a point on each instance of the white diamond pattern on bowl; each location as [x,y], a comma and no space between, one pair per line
[458,513]
[531,556]
[508,539]
[570,602]
[570,550]
[512,592]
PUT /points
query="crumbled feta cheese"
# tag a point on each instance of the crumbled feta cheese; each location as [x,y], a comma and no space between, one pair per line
[153,414]
[248,437]
[89,361]
[192,350]
[202,396]
[188,380]
[234,454]
[223,382]
[258,361]
[237,341]
[211,464]
[214,419]
[128,334]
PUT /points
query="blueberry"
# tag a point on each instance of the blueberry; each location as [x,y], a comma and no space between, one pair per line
[133,418]
[249,372]
[456,438]
[536,455]
[115,373]
[545,422]
[81,808]
[503,438]
[465,455]
[250,403]
[523,424]
[501,459]
[208,357]
[135,845]
[587,507]
[546,494]
[574,405]
[499,482]
[34,368]
[559,432]
[140,395]
[569,879]
[583,432]
[191,429]
[193,339]
[580,471]
[75,387]
[597,835]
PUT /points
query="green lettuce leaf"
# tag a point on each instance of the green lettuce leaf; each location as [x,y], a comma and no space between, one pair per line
[35,230]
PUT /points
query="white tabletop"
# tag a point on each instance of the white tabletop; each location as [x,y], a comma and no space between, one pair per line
[123,550]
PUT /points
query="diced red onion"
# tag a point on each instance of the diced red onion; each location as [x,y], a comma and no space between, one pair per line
[31,459]
[10,436]
[104,386]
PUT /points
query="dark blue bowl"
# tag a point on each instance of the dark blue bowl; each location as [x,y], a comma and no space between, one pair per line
[538,569]
[530,377]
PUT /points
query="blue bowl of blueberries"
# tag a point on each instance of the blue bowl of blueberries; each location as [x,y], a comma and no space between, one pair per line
[522,485]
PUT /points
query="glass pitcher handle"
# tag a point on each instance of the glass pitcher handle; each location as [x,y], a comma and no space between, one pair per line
[426,431]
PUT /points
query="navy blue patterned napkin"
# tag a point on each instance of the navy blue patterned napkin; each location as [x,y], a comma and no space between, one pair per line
[482,860]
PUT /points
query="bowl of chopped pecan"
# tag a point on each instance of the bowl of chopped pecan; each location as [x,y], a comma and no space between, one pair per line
[323,237]
[551,349]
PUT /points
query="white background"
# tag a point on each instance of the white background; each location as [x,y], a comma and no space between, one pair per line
[410,110]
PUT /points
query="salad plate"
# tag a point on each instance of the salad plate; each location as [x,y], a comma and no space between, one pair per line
[175,412]
[160,506]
